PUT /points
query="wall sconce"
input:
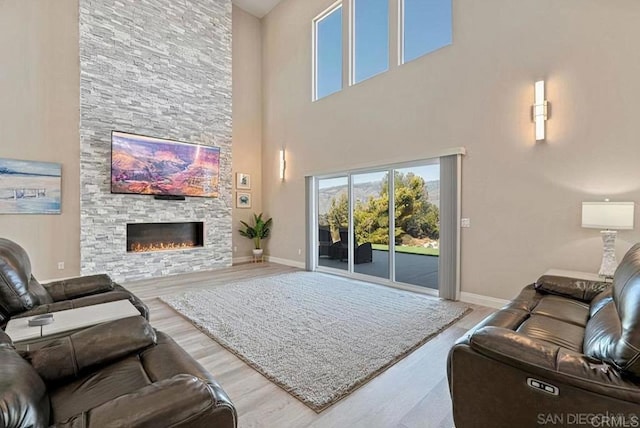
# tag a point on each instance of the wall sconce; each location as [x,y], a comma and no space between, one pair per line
[540,111]
[283,164]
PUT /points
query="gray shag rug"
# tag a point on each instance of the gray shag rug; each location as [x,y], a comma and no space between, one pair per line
[317,336]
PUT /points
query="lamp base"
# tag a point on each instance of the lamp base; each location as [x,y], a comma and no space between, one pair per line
[609,263]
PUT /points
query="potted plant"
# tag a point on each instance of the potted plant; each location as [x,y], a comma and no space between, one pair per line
[259,231]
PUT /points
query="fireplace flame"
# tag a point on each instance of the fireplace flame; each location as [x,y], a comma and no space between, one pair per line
[137,247]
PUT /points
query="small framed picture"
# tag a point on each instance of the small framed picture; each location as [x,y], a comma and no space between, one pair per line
[243,181]
[243,200]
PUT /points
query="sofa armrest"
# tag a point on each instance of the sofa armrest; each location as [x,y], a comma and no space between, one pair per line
[180,401]
[135,301]
[552,362]
[77,287]
[68,356]
[118,293]
[575,288]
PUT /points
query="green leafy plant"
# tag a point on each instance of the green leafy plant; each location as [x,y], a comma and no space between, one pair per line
[259,231]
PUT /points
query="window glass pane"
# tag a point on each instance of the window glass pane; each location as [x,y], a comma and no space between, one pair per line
[417,220]
[427,27]
[371,224]
[333,222]
[329,54]
[370,38]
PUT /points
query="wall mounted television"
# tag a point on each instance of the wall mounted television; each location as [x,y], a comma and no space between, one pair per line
[154,166]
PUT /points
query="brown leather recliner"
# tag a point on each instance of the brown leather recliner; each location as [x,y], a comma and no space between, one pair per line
[22,295]
[565,352]
[117,374]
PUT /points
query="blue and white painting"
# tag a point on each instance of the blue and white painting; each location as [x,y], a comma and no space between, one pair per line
[28,187]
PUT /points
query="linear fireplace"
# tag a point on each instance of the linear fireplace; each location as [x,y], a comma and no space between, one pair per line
[147,237]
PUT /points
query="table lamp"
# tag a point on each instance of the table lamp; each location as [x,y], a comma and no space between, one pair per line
[609,217]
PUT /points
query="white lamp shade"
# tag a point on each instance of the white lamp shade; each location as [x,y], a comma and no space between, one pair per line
[608,215]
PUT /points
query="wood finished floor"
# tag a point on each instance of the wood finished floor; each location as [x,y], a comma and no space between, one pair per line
[413,393]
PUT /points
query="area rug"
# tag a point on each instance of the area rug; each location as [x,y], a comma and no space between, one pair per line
[317,336]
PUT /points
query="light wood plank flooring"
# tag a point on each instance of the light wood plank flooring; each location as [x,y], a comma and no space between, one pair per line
[413,393]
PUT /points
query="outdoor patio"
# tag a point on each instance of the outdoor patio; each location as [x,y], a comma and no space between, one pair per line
[415,269]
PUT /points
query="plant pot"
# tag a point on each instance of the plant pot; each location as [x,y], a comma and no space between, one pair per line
[257,252]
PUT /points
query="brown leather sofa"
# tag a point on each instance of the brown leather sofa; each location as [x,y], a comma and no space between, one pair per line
[22,295]
[118,374]
[565,352]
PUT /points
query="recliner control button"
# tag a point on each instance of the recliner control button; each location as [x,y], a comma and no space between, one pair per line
[542,386]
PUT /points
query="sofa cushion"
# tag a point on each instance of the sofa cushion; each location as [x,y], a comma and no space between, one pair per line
[96,388]
[551,330]
[563,309]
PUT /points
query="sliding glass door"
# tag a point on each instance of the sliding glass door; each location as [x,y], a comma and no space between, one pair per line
[370,225]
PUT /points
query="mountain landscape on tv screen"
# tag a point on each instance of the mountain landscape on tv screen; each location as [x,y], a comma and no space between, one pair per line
[144,165]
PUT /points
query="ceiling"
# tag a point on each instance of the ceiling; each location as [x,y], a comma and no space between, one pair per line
[258,8]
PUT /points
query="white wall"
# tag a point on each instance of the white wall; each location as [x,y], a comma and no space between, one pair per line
[523,198]
[247,121]
[39,102]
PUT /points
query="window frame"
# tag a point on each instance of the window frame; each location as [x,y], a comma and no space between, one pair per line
[314,48]
[401,32]
[312,218]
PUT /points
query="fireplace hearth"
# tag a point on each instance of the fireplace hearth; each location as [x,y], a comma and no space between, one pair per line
[150,237]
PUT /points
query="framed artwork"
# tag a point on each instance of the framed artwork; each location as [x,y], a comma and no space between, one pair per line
[243,200]
[243,181]
[28,187]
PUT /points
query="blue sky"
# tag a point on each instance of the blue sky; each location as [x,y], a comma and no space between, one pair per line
[427,172]
[371,38]
[427,25]
[427,28]
[329,51]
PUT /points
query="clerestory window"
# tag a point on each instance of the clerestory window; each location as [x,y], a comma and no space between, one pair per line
[425,25]
[327,42]
[370,38]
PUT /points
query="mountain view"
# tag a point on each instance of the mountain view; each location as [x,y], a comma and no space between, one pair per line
[362,192]
[143,166]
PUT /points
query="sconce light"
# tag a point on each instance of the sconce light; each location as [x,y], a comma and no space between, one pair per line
[283,164]
[540,111]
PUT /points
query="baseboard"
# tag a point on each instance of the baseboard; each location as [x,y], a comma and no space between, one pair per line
[478,299]
[285,262]
[245,259]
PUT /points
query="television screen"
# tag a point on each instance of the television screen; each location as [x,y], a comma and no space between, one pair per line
[153,166]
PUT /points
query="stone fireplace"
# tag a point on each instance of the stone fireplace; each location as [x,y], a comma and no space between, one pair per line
[166,75]
[149,237]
